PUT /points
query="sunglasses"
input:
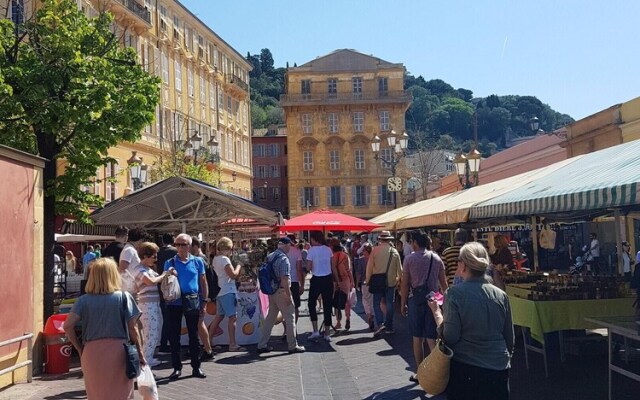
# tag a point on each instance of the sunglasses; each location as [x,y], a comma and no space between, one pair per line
[182,244]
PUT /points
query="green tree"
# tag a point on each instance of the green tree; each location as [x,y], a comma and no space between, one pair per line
[266,61]
[72,93]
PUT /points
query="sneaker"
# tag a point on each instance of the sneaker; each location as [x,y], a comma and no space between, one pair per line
[327,338]
[206,356]
[297,349]
[379,332]
[314,336]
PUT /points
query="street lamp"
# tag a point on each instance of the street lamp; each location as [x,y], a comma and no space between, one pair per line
[399,146]
[467,168]
[234,176]
[138,171]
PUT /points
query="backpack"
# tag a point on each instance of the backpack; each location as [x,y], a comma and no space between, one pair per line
[212,282]
[267,279]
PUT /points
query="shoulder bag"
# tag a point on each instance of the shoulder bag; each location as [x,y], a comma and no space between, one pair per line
[378,282]
[420,293]
[131,358]
[433,372]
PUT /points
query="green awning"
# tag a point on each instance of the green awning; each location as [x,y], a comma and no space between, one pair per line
[600,180]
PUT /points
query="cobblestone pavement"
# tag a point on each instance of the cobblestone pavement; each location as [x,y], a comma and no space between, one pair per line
[352,366]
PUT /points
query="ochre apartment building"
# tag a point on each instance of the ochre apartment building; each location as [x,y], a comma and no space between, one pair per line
[334,106]
[205,88]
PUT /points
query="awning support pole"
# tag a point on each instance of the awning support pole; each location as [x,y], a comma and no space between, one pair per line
[618,227]
[534,241]
[184,226]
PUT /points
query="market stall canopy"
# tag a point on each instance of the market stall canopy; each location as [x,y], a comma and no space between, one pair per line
[388,220]
[601,180]
[170,203]
[71,238]
[453,209]
[328,220]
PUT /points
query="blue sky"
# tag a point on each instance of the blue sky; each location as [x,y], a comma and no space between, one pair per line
[578,56]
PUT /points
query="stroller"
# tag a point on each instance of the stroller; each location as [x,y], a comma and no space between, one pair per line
[581,262]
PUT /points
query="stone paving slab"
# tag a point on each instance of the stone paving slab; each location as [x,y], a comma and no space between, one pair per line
[353,366]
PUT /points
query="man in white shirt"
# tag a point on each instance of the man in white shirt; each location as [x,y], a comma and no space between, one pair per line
[129,259]
[297,276]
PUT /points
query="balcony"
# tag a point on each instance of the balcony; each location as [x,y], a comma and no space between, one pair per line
[132,7]
[401,96]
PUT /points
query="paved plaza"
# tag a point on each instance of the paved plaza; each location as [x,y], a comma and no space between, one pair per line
[352,366]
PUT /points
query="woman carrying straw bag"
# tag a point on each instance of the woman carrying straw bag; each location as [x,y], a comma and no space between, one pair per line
[477,326]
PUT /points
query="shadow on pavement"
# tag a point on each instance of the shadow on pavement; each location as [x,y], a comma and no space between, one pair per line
[76,394]
[403,393]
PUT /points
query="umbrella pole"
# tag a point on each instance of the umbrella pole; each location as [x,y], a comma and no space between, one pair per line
[618,228]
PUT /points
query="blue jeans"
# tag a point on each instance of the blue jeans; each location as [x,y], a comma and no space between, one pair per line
[388,298]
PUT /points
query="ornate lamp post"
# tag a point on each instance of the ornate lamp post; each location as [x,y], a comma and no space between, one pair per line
[467,168]
[138,171]
[399,146]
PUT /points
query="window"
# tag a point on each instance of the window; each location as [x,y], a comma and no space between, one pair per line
[274,171]
[229,105]
[307,124]
[261,171]
[356,83]
[273,150]
[190,89]
[360,195]
[385,197]
[333,122]
[164,60]
[203,91]
[275,193]
[178,74]
[358,121]
[220,99]
[385,154]
[307,161]
[215,56]
[212,95]
[384,120]
[17,12]
[359,158]
[309,196]
[334,160]
[262,193]
[305,86]
[111,171]
[258,150]
[383,85]
[332,87]
[335,196]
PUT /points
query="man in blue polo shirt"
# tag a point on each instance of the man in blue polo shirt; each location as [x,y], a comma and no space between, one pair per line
[193,285]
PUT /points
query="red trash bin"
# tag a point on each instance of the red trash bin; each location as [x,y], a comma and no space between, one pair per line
[58,347]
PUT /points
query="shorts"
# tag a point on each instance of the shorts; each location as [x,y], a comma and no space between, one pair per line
[226,305]
[421,321]
[295,293]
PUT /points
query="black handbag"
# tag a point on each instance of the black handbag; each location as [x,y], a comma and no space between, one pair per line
[420,293]
[378,282]
[339,299]
[131,357]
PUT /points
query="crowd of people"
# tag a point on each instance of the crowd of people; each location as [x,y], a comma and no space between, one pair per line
[475,319]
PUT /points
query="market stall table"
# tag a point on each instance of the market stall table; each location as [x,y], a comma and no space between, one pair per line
[628,328]
[542,317]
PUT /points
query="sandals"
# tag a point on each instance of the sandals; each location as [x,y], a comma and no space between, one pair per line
[237,348]
[413,379]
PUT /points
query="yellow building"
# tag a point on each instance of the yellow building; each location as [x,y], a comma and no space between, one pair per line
[630,115]
[205,87]
[334,106]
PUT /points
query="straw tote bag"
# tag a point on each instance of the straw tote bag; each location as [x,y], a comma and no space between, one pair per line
[433,372]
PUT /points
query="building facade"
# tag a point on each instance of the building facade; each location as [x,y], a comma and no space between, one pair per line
[270,170]
[334,106]
[204,90]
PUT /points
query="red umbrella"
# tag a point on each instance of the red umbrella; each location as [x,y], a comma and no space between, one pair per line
[323,219]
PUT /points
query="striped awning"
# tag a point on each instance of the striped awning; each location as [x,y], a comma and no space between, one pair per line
[79,228]
[598,181]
